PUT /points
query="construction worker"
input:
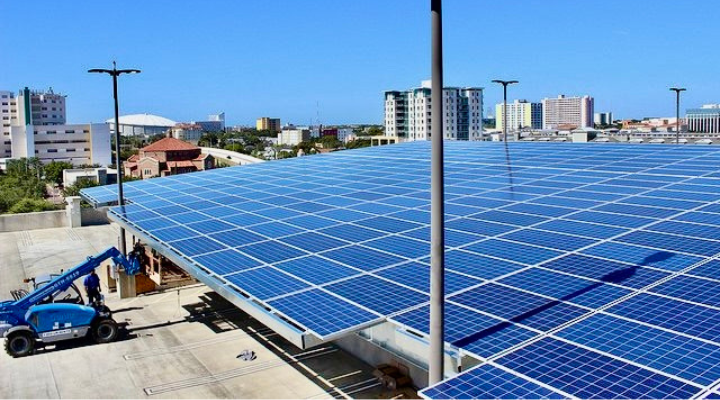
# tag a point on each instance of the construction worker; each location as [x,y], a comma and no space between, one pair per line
[92,287]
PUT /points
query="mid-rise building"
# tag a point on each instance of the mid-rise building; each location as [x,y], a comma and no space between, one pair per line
[568,112]
[408,113]
[705,119]
[78,144]
[268,124]
[603,118]
[34,125]
[292,137]
[521,115]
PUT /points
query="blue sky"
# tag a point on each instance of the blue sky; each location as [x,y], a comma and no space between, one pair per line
[291,59]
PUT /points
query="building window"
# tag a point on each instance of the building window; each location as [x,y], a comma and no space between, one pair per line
[147,172]
[52,151]
[70,150]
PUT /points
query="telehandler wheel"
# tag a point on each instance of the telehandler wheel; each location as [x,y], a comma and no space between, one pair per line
[104,330]
[20,344]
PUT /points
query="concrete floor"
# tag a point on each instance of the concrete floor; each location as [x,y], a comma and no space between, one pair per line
[183,343]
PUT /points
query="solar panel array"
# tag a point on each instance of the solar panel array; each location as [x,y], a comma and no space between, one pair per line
[573,270]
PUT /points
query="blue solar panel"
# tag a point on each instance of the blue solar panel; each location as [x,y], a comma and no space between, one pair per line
[226,262]
[417,276]
[516,212]
[509,218]
[644,256]
[671,314]
[471,225]
[266,282]
[321,312]
[501,301]
[581,229]
[674,243]
[460,323]
[586,374]
[665,351]
[313,242]
[474,264]
[384,298]
[195,246]
[686,229]
[488,382]
[551,284]
[606,271]
[708,270]
[362,257]
[236,237]
[513,251]
[271,252]
[693,289]
[547,239]
[623,221]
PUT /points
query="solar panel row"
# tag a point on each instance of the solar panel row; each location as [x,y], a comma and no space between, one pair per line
[542,239]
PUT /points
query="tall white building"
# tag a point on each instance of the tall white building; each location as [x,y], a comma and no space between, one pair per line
[521,114]
[34,125]
[569,112]
[408,113]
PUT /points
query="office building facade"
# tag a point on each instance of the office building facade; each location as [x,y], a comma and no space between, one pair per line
[408,114]
[78,144]
[521,115]
[568,112]
[705,119]
[268,124]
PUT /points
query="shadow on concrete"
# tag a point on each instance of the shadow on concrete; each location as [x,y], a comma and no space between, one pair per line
[615,277]
[219,315]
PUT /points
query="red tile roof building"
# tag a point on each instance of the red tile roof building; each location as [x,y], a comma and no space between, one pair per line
[167,156]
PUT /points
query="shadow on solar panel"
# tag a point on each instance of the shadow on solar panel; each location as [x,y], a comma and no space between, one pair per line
[552,314]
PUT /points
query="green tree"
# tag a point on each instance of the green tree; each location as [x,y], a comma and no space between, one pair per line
[54,171]
[27,205]
[74,190]
[375,131]
[358,143]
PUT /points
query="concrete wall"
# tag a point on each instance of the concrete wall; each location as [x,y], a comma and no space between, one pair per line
[30,221]
[91,216]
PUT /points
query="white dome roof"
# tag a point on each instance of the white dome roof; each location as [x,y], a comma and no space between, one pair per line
[143,120]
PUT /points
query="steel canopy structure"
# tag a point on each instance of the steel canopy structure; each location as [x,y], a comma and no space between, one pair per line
[572,270]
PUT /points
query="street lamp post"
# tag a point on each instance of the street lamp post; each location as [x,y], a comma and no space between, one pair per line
[121,201]
[505,85]
[677,91]
[436,359]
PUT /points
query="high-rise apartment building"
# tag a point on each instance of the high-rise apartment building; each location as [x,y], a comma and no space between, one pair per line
[408,113]
[705,119]
[521,115]
[568,112]
[268,124]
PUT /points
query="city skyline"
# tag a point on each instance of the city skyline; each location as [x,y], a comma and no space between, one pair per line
[309,62]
